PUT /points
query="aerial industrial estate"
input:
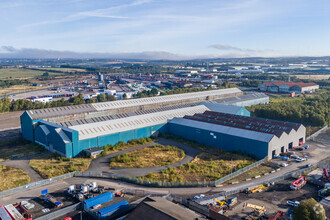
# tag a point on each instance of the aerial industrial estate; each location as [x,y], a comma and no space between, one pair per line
[188,142]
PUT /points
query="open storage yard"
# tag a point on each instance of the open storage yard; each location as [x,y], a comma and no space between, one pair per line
[274,198]
[54,165]
[153,156]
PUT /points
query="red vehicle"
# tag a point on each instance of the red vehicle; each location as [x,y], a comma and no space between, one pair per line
[299,183]
[326,174]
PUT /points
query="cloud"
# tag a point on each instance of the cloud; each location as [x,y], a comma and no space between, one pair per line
[226,47]
[11,52]
[100,13]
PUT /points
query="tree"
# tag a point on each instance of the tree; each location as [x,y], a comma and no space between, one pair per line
[102,98]
[309,209]
[125,96]
[45,74]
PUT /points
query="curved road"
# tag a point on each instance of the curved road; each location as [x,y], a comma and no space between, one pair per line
[102,164]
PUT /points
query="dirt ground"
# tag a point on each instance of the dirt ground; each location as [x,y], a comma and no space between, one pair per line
[324,136]
[274,198]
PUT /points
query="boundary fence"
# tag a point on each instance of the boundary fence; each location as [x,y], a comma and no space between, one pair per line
[275,179]
[238,172]
[36,184]
[311,137]
[130,180]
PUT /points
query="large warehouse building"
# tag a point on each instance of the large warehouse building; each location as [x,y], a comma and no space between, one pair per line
[256,136]
[70,130]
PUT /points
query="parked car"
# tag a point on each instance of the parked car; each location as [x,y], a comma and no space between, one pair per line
[300,148]
[300,159]
[295,156]
[306,147]
[285,164]
[292,203]
[308,165]
[285,158]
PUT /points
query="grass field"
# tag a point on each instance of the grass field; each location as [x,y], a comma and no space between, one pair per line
[12,177]
[312,77]
[153,156]
[20,148]
[205,167]
[14,73]
[53,165]
[64,70]
[18,89]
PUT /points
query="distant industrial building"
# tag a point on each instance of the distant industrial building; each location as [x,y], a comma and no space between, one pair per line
[288,87]
[255,136]
[249,99]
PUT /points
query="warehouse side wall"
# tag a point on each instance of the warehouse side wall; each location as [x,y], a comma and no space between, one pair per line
[126,136]
[27,126]
[220,140]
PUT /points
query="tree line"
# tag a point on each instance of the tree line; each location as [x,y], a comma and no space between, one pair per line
[307,110]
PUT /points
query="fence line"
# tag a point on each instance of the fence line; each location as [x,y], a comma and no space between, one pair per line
[129,179]
[240,171]
[316,133]
[275,179]
[36,184]
[60,212]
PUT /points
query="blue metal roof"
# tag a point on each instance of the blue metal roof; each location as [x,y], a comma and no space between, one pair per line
[217,107]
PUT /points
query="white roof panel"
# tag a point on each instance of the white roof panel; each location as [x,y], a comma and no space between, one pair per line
[253,135]
[161,99]
[92,130]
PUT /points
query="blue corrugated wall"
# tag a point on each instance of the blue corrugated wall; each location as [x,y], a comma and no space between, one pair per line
[218,140]
[126,136]
[27,127]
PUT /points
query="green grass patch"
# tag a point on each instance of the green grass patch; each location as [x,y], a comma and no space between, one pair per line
[205,167]
[16,73]
[12,177]
[54,165]
[153,156]
[20,148]
[109,149]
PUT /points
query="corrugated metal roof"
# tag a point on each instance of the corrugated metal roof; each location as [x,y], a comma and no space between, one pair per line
[238,99]
[161,99]
[45,129]
[62,134]
[124,115]
[87,131]
[255,124]
[59,111]
[217,107]
[253,135]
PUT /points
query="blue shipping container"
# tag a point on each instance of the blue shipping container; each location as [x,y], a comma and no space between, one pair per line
[103,198]
[109,209]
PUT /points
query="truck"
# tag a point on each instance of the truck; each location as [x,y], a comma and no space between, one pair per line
[326,174]
[299,183]
[13,212]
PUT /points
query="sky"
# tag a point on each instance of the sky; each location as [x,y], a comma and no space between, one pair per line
[169,29]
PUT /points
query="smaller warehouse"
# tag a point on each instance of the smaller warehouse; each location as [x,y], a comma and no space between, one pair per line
[253,98]
[254,136]
[288,87]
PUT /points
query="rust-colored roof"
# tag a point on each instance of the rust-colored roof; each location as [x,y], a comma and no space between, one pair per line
[248,123]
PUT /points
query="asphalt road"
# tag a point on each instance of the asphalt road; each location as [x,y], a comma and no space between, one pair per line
[23,163]
[102,164]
